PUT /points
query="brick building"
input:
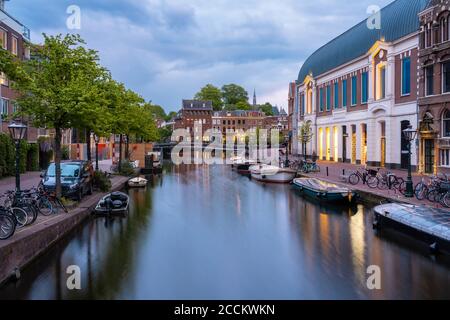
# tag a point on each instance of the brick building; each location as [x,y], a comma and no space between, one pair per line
[13,37]
[194,112]
[434,87]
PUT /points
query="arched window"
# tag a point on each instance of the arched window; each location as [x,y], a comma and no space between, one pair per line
[446,124]
[443,29]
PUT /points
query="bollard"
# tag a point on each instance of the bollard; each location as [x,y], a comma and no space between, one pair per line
[328,172]
[343,172]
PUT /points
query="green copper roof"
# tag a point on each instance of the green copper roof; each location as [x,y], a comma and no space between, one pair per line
[398,19]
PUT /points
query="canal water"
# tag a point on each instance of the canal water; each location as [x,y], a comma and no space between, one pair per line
[200,232]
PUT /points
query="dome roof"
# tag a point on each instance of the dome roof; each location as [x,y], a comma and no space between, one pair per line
[398,19]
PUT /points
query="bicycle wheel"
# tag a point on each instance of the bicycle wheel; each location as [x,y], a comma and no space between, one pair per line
[400,185]
[421,191]
[7,226]
[353,179]
[60,205]
[382,184]
[432,194]
[45,206]
[372,182]
[21,217]
[33,213]
[446,200]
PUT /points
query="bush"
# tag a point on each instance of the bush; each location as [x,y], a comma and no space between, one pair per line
[65,152]
[101,181]
[7,156]
[127,169]
[33,157]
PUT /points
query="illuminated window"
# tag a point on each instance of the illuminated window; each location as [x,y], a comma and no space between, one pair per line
[406,76]
[4,39]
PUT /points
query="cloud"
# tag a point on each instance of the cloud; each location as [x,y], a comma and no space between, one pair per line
[167,49]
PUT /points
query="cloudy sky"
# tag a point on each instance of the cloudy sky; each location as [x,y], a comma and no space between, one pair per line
[167,49]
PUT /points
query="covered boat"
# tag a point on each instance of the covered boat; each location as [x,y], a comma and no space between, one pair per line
[431,225]
[137,182]
[323,190]
[272,174]
[113,203]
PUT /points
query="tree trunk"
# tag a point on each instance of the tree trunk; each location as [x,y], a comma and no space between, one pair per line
[120,152]
[88,144]
[127,148]
[58,157]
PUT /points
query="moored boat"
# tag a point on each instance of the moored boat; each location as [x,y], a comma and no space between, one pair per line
[272,174]
[430,225]
[113,203]
[323,190]
[137,182]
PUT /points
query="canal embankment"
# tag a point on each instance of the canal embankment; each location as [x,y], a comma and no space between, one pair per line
[29,243]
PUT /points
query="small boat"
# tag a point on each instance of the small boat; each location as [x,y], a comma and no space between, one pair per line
[272,174]
[137,182]
[113,203]
[153,163]
[323,190]
[428,224]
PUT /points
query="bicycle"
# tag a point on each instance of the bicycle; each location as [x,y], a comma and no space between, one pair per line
[20,216]
[368,176]
[392,182]
[308,167]
[7,225]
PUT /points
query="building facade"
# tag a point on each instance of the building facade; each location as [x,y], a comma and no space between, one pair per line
[13,37]
[194,112]
[434,88]
[359,92]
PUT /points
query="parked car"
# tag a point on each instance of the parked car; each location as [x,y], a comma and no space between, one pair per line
[76,178]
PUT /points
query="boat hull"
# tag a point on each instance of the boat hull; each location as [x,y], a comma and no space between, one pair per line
[279,177]
[324,195]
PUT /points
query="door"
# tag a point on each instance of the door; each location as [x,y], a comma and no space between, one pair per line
[344,144]
[404,146]
[429,156]
[354,147]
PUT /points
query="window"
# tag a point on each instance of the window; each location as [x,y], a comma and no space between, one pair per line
[365,87]
[4,39]
[429,81]
[303,103]
[328,97]
[445,157]
[5,105]
[446,77]
[406,76]
[354,87]
[321,99]
[446,124]
[15,46]
[336,95]
[4,79]
[382,82]
[344,93]
[15,107]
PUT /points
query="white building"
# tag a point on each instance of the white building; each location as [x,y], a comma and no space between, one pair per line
[359,91]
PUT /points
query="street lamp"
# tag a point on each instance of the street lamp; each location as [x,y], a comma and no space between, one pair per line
[286,143]
[410,135]
[96,139]
[17,132]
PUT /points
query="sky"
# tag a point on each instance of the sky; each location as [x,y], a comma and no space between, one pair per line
[166,50]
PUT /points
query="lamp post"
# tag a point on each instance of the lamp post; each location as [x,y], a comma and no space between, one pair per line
[96,139]
[17,132]
[410,135]
[286,143]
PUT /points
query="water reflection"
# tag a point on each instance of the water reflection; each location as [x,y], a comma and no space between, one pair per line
[200,232]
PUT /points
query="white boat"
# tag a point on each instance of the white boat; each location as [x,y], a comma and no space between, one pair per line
[137,182]
[272,174]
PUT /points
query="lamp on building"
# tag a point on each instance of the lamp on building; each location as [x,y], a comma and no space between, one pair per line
[96,139]
[17,132]
[410,135]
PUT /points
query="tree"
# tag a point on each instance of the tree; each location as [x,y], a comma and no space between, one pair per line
[156,110]
[171,115]
[241,105]
[232,94]
[267,109]
[305,135]
[60,89]
[211,93]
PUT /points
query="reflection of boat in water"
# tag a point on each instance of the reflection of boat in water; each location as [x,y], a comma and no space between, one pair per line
[137,182]
[272,174]
[425,223]
[323,190]
[153,163]
[113,203]
[242,165]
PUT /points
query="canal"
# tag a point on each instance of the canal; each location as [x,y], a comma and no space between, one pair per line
[200,232]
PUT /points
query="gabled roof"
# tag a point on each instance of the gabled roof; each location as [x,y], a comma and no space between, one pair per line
[398,19]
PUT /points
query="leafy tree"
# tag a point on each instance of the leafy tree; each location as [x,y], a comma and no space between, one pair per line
[232,94]
[211,93]
[242,105]
[171,115]
[267,109]
[305,135]
[157,111]
[59,88]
